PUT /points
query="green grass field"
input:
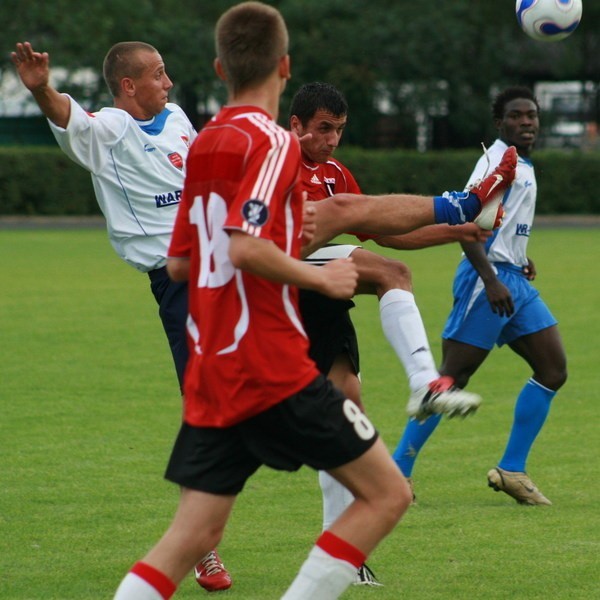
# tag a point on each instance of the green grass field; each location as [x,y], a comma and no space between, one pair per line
[89,409]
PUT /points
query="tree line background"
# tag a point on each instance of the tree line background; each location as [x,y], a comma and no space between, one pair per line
[398,62]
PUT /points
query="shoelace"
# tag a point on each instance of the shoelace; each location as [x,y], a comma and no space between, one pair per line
[211,564]
[480,179]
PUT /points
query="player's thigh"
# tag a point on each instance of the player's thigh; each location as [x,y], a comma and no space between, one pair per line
[373,476]
[545,354]
[461,360]
[343,375]
[202,512]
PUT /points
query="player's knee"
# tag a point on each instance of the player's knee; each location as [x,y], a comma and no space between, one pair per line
[554,379]
[347,210]
[399,273]
[396,501]
[387,274]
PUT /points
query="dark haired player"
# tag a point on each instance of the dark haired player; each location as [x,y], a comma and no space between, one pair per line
[495,303]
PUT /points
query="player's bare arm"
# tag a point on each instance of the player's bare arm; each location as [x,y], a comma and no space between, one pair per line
[309,224]
[434,235]
[263,258]
[178,268]
[530,271]
[33,69]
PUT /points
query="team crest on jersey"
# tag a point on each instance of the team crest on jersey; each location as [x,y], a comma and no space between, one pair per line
[255,212]
[176,159]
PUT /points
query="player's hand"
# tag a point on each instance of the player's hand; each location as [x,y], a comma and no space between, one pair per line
[339,278]
[500,298]
[309,221]
[470,232]
[33,67]
[530,271]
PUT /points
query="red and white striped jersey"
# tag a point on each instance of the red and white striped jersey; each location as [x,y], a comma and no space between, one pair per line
[322,180]
[248,349]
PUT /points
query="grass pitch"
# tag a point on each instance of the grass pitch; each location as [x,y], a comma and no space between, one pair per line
[89,409]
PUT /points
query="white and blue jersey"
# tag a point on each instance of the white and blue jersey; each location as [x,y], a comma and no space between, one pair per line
[508,243]
[472,320]
[137,170]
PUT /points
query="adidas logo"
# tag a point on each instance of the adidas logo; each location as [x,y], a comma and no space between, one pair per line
[315,179]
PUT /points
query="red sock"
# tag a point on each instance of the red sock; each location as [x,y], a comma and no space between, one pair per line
[159,581]
[340,549]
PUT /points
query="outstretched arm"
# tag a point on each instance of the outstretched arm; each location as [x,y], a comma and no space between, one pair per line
[434,235]
[261,257]
[33,69]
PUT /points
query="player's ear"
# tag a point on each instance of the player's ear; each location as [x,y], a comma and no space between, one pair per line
[285,69]
[128,86]
[219,69]
[295,125]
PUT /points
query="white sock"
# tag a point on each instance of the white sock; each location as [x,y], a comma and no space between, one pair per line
[336,498]
[134,587]
[321,577]
[404,329]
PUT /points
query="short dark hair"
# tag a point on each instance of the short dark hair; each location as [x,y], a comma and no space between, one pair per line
[121,61]
[511,93]
[314,96]
[250,39]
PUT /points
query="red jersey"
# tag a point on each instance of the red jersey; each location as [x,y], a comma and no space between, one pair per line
[321,180]
[248,349]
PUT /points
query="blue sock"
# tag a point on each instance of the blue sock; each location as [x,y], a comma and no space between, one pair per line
[531,411]
[456,208]
[414,437]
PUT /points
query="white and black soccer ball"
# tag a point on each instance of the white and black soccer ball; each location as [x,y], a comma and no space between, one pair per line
[549,20]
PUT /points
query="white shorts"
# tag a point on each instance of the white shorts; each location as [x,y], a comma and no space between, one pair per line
[331,252]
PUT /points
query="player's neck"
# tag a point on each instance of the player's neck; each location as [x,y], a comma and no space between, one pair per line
[265,95]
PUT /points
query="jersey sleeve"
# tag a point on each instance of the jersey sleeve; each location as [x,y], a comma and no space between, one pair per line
[354,188]
[270,175]
[88,137]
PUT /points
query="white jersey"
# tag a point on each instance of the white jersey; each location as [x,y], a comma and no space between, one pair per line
[509,242]
[138,169]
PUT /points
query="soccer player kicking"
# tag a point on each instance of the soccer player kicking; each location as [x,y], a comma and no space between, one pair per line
[319,114]
[252,395]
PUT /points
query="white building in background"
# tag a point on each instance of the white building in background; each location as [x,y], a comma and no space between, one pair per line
[571,110]
[16,101]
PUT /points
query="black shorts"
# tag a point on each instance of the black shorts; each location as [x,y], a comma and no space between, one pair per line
[172,298]
[317,427]
[329,328]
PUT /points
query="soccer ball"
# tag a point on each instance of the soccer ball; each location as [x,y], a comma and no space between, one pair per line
[549,20]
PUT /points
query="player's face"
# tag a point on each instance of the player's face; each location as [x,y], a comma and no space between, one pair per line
[520,124]
[326,132]
[153,85]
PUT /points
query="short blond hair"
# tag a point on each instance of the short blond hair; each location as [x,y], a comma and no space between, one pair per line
[122,61]
[250,39]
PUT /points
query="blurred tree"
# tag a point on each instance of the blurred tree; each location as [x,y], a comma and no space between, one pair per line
[413,77]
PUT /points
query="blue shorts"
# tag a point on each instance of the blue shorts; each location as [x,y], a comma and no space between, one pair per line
[472,320]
